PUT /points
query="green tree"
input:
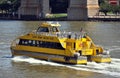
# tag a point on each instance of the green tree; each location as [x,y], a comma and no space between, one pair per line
[15,5]
[9,6]
[5,7]
[105,8]
[115,9]
[102,1]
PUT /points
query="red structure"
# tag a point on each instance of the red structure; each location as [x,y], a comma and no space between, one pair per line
[113,2]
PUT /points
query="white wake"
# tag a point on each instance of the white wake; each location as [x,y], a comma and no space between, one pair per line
[105,68]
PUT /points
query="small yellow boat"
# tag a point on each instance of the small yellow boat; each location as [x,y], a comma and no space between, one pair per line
[48,43]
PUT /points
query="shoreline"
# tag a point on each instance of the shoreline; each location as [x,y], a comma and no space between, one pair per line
[64,19]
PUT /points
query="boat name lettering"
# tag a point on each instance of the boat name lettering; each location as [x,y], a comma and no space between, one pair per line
[47,38]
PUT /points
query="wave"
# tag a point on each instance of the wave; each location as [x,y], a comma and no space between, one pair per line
[2,42]
[34,61]
[114,49]
[104,68]
[118,41]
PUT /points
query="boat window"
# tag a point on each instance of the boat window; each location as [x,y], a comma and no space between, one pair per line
[23,42]
[58,46]
[74,45]
[40,44]
[33,42]
[54,29]
[30,41]
[37,43]
[43,29]
[26,42]
[43,44]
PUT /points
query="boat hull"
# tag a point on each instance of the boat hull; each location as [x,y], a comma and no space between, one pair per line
[101,58]
[50,57]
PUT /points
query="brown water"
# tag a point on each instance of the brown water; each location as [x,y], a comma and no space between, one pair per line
[106,34]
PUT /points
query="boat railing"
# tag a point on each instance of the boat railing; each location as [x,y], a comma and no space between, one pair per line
[73,35]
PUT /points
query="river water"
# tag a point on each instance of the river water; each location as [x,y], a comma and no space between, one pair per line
[105,34]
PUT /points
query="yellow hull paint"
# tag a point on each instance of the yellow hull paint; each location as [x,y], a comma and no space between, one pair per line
[40,49]
[87,52]
[101,59]
[53,58]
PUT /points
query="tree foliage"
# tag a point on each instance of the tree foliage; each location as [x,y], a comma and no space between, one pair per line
[115,9]
[105,7]
[9,6]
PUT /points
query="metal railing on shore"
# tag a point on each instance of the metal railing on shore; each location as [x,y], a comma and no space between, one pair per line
[109,17]
[103,16]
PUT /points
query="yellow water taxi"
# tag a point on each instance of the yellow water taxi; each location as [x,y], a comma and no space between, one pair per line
[48,43]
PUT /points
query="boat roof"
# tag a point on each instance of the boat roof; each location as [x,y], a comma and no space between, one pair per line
[46,24]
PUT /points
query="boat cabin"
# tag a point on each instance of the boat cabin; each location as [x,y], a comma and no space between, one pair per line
[48,27]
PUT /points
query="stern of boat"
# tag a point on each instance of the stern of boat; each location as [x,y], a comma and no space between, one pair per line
[101,58]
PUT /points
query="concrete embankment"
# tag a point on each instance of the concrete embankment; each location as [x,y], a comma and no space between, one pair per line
[92,18]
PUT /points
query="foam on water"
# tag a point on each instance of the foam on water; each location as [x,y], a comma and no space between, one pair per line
[118,41]
[2,42]
[34,61]
[114,48]
[105,68]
